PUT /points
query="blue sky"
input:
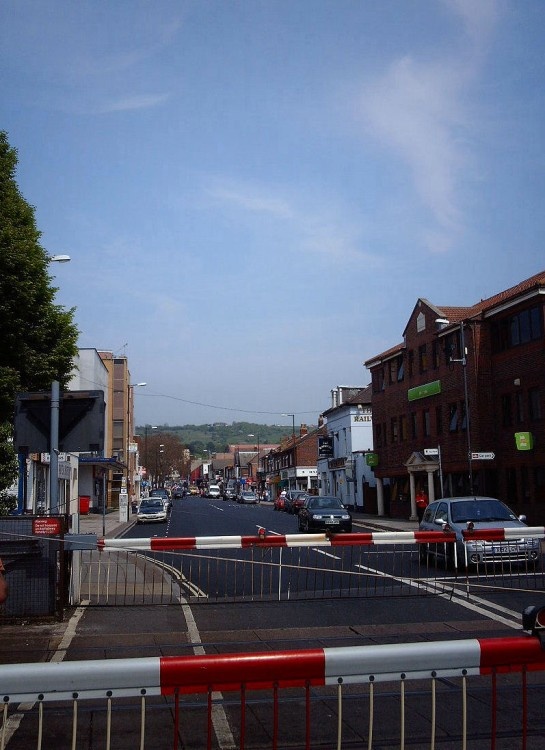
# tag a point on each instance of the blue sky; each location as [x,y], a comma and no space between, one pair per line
[254,193]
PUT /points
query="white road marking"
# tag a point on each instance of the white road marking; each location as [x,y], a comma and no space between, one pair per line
[448,592]
[222,730]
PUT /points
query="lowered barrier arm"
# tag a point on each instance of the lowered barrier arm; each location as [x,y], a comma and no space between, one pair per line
[318,668]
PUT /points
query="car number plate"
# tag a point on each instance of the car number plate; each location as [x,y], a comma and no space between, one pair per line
[332,520]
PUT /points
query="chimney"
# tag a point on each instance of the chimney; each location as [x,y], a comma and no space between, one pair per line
[303,430]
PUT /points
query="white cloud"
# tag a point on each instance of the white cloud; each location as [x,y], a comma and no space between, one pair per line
[313,226]
[478,16]
[420,111]
[127,103]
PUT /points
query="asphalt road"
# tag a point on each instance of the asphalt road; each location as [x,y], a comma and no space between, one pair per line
[440,611]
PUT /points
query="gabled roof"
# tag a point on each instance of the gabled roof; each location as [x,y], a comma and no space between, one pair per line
[455,314]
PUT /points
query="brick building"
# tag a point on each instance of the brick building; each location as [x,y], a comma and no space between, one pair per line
[292,465]
[485,362]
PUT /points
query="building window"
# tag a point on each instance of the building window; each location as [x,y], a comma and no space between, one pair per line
[439,420]
[519,407]
[378,380]
[414,425]
[423,357]
[463,412]
[534,404]
[451,342]
[426,422]
[392,371]
[525,326]
[400,368]
[378,435]
[394,430]
[506,410]
[411,362]
[453,417]
[403,430]
[435,351]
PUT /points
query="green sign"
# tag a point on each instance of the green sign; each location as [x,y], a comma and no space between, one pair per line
[371,459]
[423,391]
[524,441]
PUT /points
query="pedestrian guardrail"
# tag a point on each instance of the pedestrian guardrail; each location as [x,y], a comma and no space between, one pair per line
[391,695]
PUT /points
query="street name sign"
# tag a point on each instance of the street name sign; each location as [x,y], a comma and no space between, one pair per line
[483,456]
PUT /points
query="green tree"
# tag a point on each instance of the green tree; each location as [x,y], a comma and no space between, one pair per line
[38,338]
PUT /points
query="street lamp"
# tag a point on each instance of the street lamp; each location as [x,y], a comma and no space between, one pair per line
[158,462]
[463,361]
[292,424]
[146,454]
[257,459]
[130,401]
[54,428]
[293,441]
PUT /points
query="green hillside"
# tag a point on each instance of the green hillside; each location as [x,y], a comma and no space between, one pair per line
[216,437]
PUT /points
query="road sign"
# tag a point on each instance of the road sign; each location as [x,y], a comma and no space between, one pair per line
[431,451]
[483,456]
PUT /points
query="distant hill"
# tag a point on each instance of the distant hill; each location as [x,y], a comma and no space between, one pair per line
[217,436]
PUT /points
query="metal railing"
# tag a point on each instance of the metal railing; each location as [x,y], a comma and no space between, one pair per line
[393,695]
[298,566]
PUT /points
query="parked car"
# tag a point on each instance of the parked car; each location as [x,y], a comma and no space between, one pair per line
[247,497]
[458,514]
[229,493]
[279,502]
[320,513]
[193,489]
[214,491]
[151,509]
[292,496]
[178,492]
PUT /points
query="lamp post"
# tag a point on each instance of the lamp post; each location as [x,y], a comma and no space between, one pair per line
[158,453]
[293,441]
[463,361]
[54,428]
[130,412]
[146,454]
[257,459]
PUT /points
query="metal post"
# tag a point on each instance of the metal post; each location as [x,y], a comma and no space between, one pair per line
[466,400]
[54,450]
[440,471]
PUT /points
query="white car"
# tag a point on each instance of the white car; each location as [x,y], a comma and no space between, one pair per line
[151,509]
[214,491]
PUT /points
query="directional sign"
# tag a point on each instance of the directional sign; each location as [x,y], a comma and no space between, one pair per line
[431,451]
[483,456]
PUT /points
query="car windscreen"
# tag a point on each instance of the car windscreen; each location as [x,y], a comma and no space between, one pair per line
[480,510]
[152,504]
[325,502]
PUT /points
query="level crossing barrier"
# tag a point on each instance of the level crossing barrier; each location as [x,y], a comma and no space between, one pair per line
[432,694]
[269,567]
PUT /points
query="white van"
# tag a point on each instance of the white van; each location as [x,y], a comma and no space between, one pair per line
[214,491]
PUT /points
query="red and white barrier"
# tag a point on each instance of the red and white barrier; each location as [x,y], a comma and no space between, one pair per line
[114,678]
[278,540]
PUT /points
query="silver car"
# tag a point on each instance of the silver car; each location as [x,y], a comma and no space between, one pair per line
[458,514]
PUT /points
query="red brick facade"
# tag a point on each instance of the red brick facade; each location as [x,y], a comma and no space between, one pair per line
[504,369]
